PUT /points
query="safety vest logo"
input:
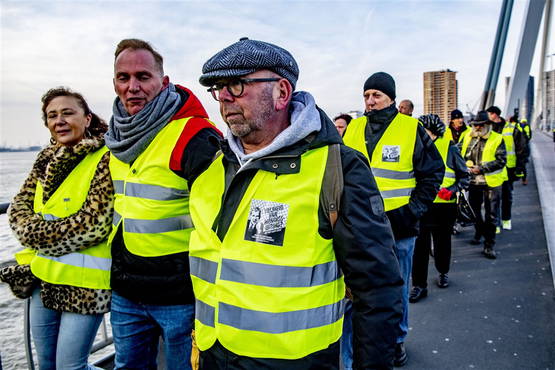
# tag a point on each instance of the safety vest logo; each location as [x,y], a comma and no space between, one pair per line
[391,153]
[266,222]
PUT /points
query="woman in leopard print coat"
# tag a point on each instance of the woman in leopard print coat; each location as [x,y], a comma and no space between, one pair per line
[64,318]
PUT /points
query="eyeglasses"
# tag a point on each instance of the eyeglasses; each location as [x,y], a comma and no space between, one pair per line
[235,87]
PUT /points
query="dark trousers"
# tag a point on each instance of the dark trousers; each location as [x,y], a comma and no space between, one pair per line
[436,224]
[218,357]
[486,224]
[507,195]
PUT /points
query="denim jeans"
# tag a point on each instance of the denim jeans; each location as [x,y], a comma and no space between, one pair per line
[404,249]
[137,328]
[63,340]
[347,337]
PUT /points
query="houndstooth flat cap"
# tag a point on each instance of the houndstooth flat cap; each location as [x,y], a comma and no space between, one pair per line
[248,56]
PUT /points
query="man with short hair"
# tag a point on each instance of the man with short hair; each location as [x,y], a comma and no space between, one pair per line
[341,122]
[515,146]
[160,140]
[408,170]
[406,107]
[268,265]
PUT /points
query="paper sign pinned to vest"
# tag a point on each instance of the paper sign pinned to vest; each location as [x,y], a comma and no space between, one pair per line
[391,153]
[266,222]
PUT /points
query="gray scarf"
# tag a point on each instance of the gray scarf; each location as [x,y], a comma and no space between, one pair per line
[128,136]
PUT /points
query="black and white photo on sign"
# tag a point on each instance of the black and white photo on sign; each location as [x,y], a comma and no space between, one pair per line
[391,153]
[266,222]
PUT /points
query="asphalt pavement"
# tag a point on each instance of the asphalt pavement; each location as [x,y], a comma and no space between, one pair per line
[496,314]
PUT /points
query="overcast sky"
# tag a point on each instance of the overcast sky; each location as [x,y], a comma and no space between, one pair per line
[337,45]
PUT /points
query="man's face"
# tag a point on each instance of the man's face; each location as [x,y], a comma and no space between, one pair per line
[340,125]
[376,100]
[137,79]
[405,108]
[248,113]
[492,116]
[457,122]
[479,129]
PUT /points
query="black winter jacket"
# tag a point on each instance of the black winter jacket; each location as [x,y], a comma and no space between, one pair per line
[428,170]
[362,240]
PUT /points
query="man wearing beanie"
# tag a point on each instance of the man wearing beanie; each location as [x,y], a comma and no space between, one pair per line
[407,168]
[457,129]
[272,248]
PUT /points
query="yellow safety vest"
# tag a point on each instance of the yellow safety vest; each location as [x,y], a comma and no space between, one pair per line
[152,202]
[526,130]
[449,135]
[392,158]
[442,145]
[272,287]
[495,178]
[507,133]
[88,268]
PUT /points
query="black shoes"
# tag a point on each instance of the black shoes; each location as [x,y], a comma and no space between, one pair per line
[443,281]
[489,253]
[400,355]
[417,294]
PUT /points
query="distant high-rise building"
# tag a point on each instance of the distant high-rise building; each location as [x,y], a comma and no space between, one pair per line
[526,105]
[440,93]
[548,100]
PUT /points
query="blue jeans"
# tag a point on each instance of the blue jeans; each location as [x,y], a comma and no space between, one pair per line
[137,328]
[404,249]
[347,337]
[63,340]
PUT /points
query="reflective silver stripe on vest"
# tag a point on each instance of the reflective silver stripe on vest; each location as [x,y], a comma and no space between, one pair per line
[450,175]
[279,322]
[396,193]
[49,217]
[118,186]
[507,134]
[82,260]
[279,276]
[511,153]
[146,191]
[204,313]
[393,175]
[494,172]
[164,225]
[116,218]
[203,269]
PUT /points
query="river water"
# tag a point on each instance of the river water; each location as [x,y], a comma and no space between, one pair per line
[14,168]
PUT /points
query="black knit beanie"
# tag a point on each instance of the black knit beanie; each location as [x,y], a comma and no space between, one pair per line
[381,81]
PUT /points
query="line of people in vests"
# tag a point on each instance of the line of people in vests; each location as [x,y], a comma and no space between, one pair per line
[251,239]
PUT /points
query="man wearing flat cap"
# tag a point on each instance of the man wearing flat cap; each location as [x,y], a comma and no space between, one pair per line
[407,168]
[484,152]
[274,243]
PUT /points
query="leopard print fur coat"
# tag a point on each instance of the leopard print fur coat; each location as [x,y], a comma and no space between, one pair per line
[89,226]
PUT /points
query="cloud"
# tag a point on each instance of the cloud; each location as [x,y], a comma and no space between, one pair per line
[337,44]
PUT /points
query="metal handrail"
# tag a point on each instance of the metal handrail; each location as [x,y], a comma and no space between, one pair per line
[27,334]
